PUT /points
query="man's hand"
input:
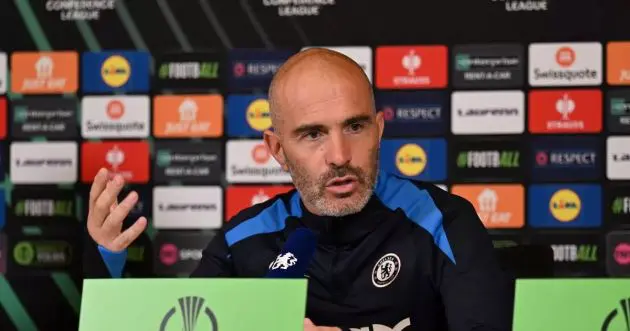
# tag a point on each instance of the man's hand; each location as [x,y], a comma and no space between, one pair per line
[309,326]
[106,215]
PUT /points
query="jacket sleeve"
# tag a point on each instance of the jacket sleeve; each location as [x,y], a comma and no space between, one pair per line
[216,260]
[476,293]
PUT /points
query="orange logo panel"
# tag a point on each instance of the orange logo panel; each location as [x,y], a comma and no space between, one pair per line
[186,116]
[498,206]
[618,70]
[565,111]
[242,197]
[44,72]
[404,67]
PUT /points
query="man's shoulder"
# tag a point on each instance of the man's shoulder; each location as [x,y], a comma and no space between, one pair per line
[264,217]
[423,202]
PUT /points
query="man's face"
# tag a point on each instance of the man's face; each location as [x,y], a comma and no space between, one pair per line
[329,142]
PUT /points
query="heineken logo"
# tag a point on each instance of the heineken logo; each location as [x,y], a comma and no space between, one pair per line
[191,315]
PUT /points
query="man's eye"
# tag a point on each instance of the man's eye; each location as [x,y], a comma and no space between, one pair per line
[355,127]
[312,135]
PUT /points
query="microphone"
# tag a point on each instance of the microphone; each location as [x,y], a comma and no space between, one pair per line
[295,256]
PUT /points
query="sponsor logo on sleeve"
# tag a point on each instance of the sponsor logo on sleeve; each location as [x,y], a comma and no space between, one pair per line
[253,69]
[565,111]
[49,117]
[130,159]
[499,206]
[115,117]
[362,55]
[422,159]
[179,253]
[618,253]
[413,113]
[618,110]
[54,162]
[248,115]
[239,198]
[485,159]
[44,72]
[618,63]
[562,158]
[404,67]
[187,207]
[189,71]
[43,204]
[564,206]
[488,112]
[249,161]
[570,64]
[574,255]
[488,66]
[3,73]
[188,116]
[126,71]
[618,160]
[188,162]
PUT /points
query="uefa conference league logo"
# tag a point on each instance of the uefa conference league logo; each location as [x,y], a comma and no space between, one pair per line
[190,308]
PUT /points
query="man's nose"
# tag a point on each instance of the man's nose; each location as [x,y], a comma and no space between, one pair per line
[338,153]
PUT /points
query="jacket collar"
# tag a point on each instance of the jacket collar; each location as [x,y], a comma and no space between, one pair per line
[343,230]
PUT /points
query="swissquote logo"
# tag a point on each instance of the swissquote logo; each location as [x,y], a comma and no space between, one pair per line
[189,310]
[283,261]
[570,64]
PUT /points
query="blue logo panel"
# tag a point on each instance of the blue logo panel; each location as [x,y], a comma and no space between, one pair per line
[253,69]
[124,71]
[566,158]
[421,159]
[564,206]
[413,114]
[247,115]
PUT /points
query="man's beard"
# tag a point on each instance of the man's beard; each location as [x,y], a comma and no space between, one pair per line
[314,190]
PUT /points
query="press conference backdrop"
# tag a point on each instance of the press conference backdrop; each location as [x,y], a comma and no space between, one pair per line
[520,106]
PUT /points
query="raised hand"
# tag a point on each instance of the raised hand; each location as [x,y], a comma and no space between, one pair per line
[106,215]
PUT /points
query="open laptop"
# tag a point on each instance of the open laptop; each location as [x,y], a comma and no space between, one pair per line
[193,304]
[572,305]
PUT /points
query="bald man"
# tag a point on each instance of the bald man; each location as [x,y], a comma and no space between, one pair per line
[392,254]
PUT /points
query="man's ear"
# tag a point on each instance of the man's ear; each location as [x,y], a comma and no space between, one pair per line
[380,121]
[275,148]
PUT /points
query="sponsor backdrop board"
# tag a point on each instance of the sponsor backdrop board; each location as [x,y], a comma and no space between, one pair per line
[527,116]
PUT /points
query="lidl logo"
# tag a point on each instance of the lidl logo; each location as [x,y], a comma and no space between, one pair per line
[565,206]
[423,159]
[258,116]
[116,71]
[411,160]
[248,115]
[126,71]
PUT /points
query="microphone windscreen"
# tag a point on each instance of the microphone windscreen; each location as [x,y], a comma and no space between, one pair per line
[295,256]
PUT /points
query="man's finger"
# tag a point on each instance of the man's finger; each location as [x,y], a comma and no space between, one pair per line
[98,185]
[128,236]
[120,212]
[100,209]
